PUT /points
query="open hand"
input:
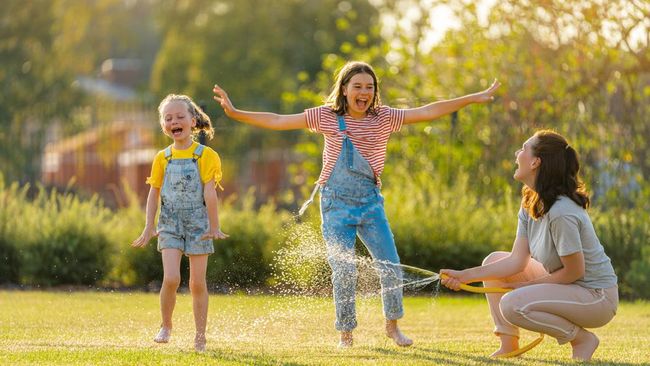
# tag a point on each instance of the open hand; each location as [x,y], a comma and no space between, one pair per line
[487,95]
[144,238]
[222,98]
[215,234]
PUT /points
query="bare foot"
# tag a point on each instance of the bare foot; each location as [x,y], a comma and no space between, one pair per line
[199,342]
[508,344]
[392,331]
[163,335]
[584,345]
[346,340]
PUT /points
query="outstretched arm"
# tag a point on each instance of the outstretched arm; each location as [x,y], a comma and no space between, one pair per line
[272,121]
[438,109]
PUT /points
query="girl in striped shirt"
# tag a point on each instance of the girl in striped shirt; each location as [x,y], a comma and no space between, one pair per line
[356,128]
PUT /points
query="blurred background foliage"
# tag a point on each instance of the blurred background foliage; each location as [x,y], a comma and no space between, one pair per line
[580,67]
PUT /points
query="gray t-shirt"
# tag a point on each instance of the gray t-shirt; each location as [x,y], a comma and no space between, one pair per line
[566,229]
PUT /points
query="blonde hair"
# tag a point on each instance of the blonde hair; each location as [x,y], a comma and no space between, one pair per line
[203,122]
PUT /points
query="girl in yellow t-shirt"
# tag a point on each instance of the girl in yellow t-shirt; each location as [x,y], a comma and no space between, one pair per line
[183,179]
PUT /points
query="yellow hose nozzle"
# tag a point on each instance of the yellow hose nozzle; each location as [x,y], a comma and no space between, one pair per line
[479,290]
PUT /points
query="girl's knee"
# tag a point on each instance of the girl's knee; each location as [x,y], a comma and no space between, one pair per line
[198,286]
[494,257]
[171,281]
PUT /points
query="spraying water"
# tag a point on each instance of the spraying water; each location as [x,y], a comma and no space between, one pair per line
[301,277]
[301,267]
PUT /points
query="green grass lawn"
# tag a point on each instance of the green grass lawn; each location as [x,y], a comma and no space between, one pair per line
[97,328]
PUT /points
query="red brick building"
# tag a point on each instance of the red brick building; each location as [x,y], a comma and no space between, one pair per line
[106,160]
[102,160]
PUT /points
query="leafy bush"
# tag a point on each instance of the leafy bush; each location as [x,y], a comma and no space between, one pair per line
[69,244]
[625,234]
[637,279]
[58,238]
[244,259]
[70,255]
[12,199]
[133,266]
[9,261]
[447,226]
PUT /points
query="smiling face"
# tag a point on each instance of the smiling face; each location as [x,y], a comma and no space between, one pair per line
[359,93]
[177,123]
[527,163]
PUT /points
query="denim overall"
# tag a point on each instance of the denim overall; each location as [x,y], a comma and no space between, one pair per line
[183,216]
[351,205]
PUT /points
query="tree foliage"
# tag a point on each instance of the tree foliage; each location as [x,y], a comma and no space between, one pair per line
[44,47]
[259,51]
[579,67]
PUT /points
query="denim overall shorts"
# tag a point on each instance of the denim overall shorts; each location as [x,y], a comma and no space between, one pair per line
[351,205]
[183,216]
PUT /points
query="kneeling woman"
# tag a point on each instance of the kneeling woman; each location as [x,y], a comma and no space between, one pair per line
[569,283]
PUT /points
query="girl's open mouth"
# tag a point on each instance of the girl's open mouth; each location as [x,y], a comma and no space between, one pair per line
[362,103]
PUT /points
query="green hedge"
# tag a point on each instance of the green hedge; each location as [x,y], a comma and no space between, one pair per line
[625,234]
[637,279]
[12,201]
[9,261]
[244,259]
[59,239]
[53,238]
[439,226]
[70,255]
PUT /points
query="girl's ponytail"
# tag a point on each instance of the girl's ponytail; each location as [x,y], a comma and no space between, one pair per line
[203,123]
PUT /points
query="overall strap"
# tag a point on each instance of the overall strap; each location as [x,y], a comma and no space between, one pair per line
[168,157]
[168,152]
[342,126]
[303,208]
[198,151]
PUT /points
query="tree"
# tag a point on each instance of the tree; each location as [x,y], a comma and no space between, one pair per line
[579,67]
[44,46]
[259,51]
[34,87]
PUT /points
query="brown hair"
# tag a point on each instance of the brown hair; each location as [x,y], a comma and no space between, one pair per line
[557,175]
[202,120]
[337,99]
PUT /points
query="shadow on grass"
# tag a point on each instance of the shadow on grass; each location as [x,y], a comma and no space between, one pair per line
[411,355]
[461,358]
[594,361]
[247,358]
[440,357]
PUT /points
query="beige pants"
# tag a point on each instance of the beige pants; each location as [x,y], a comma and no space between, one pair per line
[553,309]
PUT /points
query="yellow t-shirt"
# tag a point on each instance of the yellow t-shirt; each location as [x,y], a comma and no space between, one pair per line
[209,165]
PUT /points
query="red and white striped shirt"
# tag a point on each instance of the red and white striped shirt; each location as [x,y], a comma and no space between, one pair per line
[369,136]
